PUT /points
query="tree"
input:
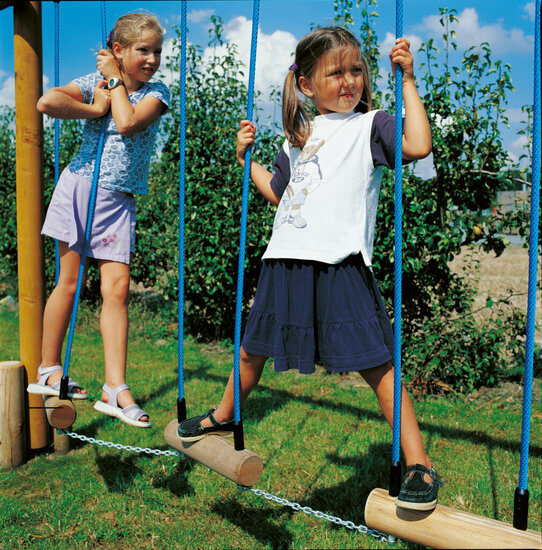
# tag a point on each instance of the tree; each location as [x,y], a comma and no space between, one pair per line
[444,347]
[216,103]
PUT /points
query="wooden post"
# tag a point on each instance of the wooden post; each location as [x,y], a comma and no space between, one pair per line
[62,443]
[443,527]
[12,414]
[29,169]
[243,467]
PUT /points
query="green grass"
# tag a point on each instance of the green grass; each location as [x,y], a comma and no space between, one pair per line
[322,438]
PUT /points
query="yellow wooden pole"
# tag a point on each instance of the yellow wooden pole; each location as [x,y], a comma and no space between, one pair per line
[29,170]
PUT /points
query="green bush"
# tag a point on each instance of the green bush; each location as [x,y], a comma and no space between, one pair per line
[216,103]
[8,211]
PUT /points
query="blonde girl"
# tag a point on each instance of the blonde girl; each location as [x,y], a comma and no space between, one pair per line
[122,91]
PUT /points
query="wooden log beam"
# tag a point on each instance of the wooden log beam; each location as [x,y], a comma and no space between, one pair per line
[12,414]
[60,412]
[243,467]
[444,527]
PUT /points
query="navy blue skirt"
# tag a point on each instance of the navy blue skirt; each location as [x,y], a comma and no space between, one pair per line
[307,312]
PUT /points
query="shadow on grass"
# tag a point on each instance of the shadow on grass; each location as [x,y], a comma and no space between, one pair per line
[345,500]
[260,524]
[177,483]
[257,412]
[118,472]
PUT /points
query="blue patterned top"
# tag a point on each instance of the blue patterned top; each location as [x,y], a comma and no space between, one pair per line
[125,160]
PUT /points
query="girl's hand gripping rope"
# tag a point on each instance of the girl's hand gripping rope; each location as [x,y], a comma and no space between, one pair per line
[245,138]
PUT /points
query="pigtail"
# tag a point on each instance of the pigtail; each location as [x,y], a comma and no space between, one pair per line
[366,100]
[295,117]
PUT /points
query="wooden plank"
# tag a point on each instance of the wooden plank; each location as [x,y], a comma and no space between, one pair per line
[444,527]
[60,412]
[243,467]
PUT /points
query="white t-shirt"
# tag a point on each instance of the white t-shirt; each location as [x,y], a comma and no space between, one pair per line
[329,190]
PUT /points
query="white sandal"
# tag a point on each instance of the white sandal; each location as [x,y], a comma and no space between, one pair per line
[41,387]
[130,414]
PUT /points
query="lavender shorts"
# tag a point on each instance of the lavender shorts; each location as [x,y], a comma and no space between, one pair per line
[113,229]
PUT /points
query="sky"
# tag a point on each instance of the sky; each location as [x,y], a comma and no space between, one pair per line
[507,25]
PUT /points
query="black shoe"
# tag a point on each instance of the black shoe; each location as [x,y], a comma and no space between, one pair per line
[416,493]
[192,430]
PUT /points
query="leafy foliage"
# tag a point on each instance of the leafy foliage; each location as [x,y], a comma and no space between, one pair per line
[444,348]
[8,213]
[216,100]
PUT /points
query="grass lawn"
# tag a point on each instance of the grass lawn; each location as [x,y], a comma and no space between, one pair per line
[322,438]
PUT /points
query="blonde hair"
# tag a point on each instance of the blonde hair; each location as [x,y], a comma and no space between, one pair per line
[295,112]
[129,28]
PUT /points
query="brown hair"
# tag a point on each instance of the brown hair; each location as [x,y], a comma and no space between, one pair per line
[295,112]
[128,28]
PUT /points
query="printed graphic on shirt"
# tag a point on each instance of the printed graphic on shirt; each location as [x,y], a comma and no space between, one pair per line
[306,177]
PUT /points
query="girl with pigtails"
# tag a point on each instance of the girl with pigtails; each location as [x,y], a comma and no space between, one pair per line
[317,300]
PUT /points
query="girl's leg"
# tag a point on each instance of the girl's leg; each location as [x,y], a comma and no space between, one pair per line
[56,315]
[380,379]
[115,285]
[250,371]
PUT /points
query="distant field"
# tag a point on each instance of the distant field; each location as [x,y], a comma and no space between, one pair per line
[499,278]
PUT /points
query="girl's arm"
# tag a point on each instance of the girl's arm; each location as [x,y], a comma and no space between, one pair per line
[129,119]
[66,102]
[258,174]
[417,142]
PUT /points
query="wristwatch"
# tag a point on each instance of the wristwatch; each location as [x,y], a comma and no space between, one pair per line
[114,82]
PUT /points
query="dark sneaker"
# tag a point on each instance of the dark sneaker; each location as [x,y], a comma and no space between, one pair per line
[416,493]
[192,430]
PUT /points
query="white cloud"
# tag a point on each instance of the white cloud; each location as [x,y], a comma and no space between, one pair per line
[424,168]
[515,114]
[7,90]
[519,144]
[197,16]
[470,32]
[165,75]
[274,52]
[386,46]
[529,10]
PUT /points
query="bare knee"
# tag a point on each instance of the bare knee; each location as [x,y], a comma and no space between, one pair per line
[67,286]
[115,289]
[255,361]
[375,375]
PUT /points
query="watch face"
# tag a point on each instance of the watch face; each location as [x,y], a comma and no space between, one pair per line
[112,82]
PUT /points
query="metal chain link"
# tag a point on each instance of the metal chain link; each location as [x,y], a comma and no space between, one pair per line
[118,446]
[269,496]
[383,537]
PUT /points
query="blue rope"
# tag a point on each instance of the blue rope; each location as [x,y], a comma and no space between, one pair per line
[244,213]
[398,254]
[182,181]
[90,218]
[533,257]
[57,122]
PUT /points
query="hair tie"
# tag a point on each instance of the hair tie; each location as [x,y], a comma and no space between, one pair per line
[294,67]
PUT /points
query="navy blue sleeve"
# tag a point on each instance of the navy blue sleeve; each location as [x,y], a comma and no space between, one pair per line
[383,140]
[281,170]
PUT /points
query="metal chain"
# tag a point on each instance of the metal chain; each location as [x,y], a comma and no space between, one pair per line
[269,496]
[383,537]
[118,446]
